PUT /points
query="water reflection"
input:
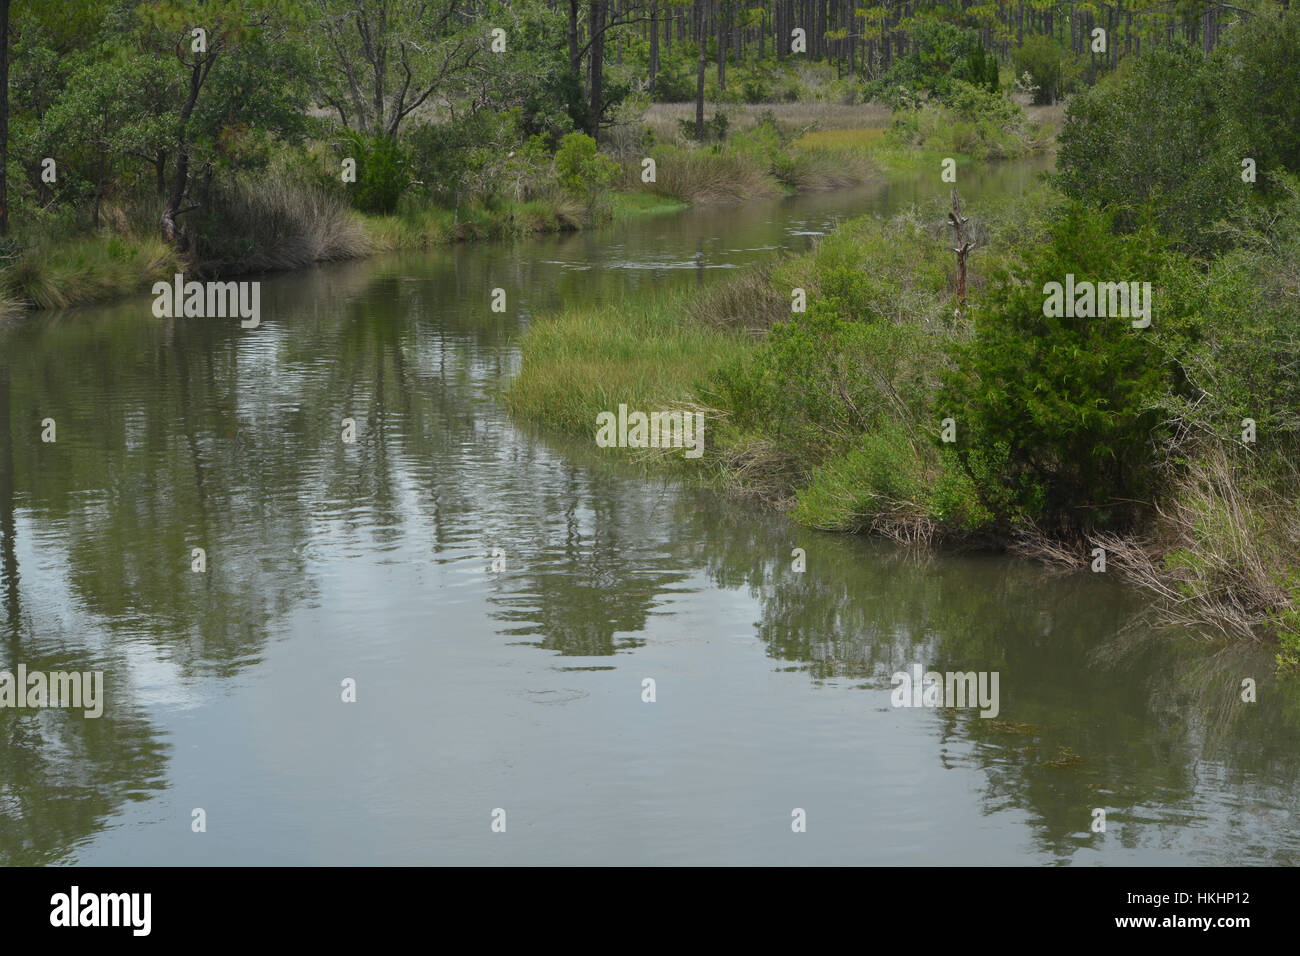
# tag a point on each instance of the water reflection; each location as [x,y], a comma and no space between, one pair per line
[325,558]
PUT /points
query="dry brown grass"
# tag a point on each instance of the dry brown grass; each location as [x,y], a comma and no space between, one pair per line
[9,308]
[1217,554]
[791,118]
[758,471]
[701,176]
[1221,548]
[276,222]
[744,302]
[1030,542]
[811,170]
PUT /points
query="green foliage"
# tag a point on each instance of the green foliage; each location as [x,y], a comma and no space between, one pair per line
[975,121]
[535,76]
[1259,66]
[675,82]
[981,69]
[856,359]
[1286,621]
[715,128]
[882,472]
[1157,134]
[581,170]
[383,171]
[1247,337]
[1040,57]
[939,53]
[103,118]
[1075,401]
[468,159]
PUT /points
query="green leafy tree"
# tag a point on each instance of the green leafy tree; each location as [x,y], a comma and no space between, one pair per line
[1260,70]
[1068,407]
[581,170]
[389,58]
[103,123]
[1040,57]
[243,56]
[1156,134]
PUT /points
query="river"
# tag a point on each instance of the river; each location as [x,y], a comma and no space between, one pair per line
[521,688]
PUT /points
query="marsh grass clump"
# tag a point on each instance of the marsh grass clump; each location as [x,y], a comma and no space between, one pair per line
[711,175]
[745,302]
[585,361]
[56,274]
[275,222]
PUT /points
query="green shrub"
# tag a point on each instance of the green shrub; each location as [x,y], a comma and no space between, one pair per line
[581,171]
[974,121]
[1075,401]
[1040,57]
[940,52]
[755,91]
[383,171]
[981,69]
[1156,133]
[1259,70]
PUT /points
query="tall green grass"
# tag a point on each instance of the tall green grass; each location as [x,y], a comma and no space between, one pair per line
[649,355]
[274,223]
[57,274]
[418,227]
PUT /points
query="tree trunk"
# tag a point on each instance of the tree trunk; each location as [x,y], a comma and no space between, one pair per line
[4,117]
[722,49]
[575,61]
[654,46]
[699,72]
[171,230]
[596,24]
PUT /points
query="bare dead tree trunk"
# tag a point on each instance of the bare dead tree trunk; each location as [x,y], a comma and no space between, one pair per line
[962,249]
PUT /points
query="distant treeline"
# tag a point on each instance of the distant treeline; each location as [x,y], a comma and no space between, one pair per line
[113,107]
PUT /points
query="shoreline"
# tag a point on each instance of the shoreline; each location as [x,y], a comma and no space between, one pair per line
[714,351]
[97,268]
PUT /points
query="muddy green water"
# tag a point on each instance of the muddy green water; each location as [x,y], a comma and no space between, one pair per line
[521,689]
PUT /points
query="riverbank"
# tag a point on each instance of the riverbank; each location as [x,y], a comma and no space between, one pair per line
[294,215]
[293,229]
[885,408]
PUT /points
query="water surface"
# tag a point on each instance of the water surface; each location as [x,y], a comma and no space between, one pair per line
[522,689]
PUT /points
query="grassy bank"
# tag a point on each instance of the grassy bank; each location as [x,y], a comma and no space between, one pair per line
[55,274]
[295,214]
[836,415]
[296,211]
[1158,442]
[589,360]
